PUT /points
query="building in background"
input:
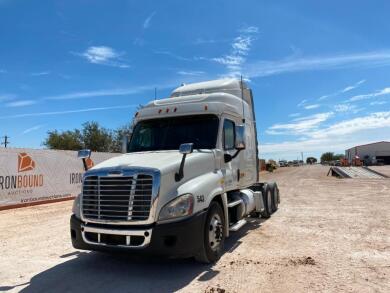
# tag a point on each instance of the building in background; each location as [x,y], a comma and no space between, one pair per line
[371,154]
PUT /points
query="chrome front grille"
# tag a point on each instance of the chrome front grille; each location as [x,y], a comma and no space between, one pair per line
[117,198]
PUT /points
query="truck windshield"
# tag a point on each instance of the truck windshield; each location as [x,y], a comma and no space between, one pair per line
[170,133]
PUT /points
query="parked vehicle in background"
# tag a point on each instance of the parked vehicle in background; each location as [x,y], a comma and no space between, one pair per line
[379,162]
[295,163]
[283,163]
[189,177]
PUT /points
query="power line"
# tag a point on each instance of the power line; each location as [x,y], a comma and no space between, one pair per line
[6,141]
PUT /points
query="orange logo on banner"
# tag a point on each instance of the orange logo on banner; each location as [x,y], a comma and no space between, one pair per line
[89,162]
[25,162]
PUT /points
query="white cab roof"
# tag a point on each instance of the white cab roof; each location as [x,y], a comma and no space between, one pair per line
[219,96]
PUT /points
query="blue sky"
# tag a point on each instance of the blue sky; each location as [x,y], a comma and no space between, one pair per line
[320,71]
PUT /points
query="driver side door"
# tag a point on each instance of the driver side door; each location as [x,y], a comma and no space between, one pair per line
[230,169]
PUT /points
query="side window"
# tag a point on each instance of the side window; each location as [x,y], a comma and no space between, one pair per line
[228,134]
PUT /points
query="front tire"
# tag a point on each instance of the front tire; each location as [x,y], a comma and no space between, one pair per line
[214,235]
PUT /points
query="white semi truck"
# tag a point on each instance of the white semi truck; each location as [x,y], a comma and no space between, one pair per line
[189,177]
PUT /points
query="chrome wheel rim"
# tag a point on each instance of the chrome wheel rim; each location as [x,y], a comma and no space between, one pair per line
[215,232]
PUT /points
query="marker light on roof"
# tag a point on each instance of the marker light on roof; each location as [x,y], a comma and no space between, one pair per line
[159,111]
[175,109]
[167,110]
[205,107]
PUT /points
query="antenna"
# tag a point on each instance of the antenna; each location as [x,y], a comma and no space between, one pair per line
[242,99]
[155,93]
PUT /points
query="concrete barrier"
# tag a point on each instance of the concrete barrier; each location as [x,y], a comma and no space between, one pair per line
[30,176]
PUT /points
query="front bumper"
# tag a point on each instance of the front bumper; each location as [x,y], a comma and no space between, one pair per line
[183,238]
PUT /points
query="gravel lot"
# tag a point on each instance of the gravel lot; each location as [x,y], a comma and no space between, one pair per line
[328,235]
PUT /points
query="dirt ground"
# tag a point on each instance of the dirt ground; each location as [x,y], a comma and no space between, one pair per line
[329,235]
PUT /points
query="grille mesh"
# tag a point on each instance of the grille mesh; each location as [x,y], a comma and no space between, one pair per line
[120,198]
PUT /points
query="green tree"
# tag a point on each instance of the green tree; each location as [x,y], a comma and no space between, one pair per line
[123,131]
[311,160]
[97,138]
[338,157]
[92,136]
[67,140]
[118,136]
[327,157]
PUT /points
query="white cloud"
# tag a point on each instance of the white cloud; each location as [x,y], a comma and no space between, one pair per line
[344,90]
[347,108]
[301,103]
[21,103]
[200,41]
[7,97]
[309,107]
[67,111]
[336,137]
[240,48]
[190,72]
[378,103]
[102,93]
[104,55]
[41,73]
[241,45]
[371,121]
[382,92]
[351,87]
[249,30]
[301,125]
[147,21]
[294,114]
[36,127]
[296,64]
[170,54]
[99,93]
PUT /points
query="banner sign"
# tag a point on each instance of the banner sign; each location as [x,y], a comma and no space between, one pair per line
[29,176]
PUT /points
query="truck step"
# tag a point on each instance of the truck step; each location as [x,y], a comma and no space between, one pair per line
[234,203]
[235,227]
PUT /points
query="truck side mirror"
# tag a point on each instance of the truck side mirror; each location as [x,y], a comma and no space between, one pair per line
[84,155]
[184,149]
[240,137]
[125,143]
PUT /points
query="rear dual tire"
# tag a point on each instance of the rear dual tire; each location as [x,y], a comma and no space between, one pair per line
[270,195]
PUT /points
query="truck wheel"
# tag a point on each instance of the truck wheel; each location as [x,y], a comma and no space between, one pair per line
[214,235]
[267,199]
[275,196]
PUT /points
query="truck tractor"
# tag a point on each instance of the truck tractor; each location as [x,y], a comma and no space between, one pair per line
[188,177]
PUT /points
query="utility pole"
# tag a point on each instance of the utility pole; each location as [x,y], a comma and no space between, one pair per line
[6,141]
[302,157]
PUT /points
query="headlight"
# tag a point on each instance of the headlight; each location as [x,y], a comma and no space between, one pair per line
[76,206]
[179,207]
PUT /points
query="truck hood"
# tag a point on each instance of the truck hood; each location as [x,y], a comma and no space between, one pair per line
[165,161]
